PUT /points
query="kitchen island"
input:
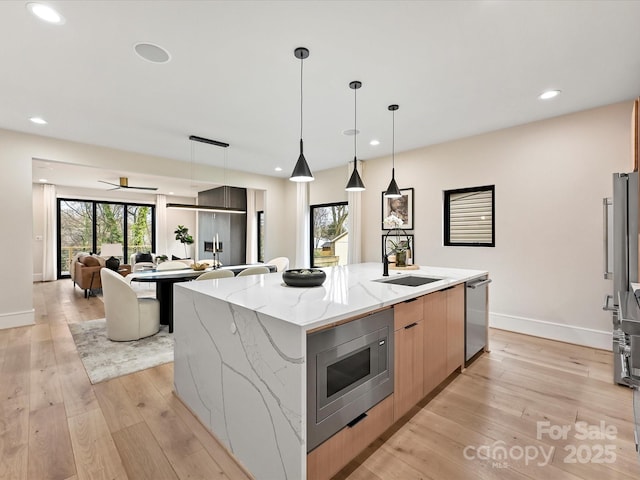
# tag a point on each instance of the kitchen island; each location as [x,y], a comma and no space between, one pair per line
[240,347]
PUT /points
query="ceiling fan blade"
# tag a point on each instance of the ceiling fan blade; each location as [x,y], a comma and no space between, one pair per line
[109,183]
[141,188]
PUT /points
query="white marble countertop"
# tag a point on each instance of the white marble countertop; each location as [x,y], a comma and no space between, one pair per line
[347,292]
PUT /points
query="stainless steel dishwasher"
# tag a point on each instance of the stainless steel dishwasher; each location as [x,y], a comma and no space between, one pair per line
[476,319]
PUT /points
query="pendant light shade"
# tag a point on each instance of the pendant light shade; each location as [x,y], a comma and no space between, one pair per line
[392,190]
[355,183]
[301,172]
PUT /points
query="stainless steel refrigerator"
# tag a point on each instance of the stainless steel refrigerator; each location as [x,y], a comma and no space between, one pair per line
[620,250]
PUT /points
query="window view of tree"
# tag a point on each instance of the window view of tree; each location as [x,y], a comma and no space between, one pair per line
[139,223]
[85,225]
[75,230]
[329,234]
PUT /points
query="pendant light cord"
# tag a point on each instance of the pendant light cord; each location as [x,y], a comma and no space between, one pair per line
[301,66]
[355,127]
[393,140]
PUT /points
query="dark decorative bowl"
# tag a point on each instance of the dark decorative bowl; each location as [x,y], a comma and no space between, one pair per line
[304,277]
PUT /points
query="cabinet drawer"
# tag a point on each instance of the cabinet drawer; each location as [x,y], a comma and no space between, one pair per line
[334,454]
[408,312]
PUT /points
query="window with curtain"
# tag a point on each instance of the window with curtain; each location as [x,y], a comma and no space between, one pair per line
[469,217]
[329,235]
[84,225]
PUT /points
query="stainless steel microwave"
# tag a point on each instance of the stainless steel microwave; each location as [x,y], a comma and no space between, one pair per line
[349,370]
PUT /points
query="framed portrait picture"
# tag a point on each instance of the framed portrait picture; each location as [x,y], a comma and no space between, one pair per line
[404,241]
[401,207]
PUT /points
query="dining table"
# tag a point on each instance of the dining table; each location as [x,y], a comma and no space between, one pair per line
[164,280]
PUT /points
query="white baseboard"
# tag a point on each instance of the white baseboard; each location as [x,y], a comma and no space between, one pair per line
[37,277]
[587,337]
[17,319]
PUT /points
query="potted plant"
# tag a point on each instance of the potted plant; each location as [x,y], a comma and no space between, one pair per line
[182,234]
[161,258]
[399,246]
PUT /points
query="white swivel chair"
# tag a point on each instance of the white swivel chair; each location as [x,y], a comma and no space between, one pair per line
[171,265]
[141,266]
[253,271]
[128,317]
[215,274]
[281,263]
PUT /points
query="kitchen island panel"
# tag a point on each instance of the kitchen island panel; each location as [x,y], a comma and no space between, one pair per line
[243,374]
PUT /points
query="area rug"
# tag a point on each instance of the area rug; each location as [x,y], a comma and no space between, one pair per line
[104,359]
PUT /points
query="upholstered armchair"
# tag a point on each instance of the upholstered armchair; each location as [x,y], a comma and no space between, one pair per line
[86,272]
[129,317]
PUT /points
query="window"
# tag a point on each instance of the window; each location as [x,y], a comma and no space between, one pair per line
[84,225]
[260,215]
[329,236]
[469,217]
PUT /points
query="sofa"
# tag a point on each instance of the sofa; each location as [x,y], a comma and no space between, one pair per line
[85,271]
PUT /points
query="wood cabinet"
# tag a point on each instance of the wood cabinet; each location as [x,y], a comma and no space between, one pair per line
[443,335]
[408,355]
[331,456]
[435,340]
[455,327]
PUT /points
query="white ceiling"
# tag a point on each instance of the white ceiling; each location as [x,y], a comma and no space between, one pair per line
[455,68]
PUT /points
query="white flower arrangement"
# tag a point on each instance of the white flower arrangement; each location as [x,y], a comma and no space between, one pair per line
[393,221]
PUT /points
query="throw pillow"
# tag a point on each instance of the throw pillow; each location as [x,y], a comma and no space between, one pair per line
[144,257]
[90,261]
[101,260]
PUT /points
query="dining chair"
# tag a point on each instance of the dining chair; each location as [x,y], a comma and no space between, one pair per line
[253,271]
[281,263]
[128,316]
[171,265]
[215,274]
[139,266]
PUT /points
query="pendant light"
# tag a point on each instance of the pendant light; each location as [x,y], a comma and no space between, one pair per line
[301,172]
[355,182]
[392,190]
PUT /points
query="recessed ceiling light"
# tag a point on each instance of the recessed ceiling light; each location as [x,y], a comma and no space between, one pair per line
[278,169]
[351,132]
[152,53]
[38,120]
[42,180]
[374,142]
[170,193]
[45,12]
[548,94]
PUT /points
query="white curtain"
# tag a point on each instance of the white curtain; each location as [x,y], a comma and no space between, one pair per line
[302,226]
[49,259]
[354,220]
[252,227]
[161,224]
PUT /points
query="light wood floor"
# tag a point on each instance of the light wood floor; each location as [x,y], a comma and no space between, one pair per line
[55,425]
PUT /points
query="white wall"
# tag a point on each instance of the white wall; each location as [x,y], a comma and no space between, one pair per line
[550,178]
[16,295]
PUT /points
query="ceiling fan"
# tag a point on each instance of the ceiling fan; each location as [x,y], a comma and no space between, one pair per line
[124,183]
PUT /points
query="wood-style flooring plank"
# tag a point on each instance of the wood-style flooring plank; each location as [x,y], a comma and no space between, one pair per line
[44,387]
[14,438]
[176,440]
[50,452]
[118,408]
[95,453]
[141,455]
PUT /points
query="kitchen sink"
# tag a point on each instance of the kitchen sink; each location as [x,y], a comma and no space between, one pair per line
[409,280]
